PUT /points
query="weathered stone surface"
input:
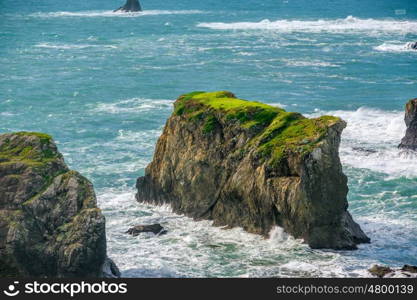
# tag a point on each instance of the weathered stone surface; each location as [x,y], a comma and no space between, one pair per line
[130,6]
[154,228]
[248,164]
[50,225]
[409,141]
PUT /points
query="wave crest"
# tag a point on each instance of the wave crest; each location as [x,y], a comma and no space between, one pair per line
[347,25]
[386,47]
[110,13]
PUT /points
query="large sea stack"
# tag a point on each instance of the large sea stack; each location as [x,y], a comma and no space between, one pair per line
[50,225]
[409,141]
[130,6]
[248,164]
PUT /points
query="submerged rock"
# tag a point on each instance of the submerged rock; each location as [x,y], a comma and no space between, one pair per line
[410,269]
[384,271]
[130,6]
[154,228]
[412,45]
[380,271]
[365,151]
[50,225]
[409,141]
[248,164]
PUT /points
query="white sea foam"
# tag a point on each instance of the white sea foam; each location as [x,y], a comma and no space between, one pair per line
[71,46]
[309,63]
[110,13]
[134,105]
[387,47]
[198,249]
[370,141]
[347,25]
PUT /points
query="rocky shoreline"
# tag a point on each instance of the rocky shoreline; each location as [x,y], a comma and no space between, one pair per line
[239,163]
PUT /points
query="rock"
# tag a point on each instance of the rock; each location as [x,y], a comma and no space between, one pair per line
[380,271]
[248,164]
[406,271]
[409,141]
[365,151]
[130,6]
[410,269]
[50,225]
[412,45]
[154,228]
[109,269]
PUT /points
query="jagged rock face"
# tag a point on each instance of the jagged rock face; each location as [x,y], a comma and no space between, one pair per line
[248,164]
[50,225]
[130,6]
[409,141]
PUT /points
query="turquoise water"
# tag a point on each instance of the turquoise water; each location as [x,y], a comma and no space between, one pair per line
[103,85]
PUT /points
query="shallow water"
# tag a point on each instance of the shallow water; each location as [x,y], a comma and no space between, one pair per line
[103,85]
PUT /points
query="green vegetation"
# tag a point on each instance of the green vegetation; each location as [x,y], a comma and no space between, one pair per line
[291,132]
[210,124]
[248,113]
[32,149]
[279,132]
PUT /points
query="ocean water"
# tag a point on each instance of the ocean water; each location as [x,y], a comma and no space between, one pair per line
[103,85]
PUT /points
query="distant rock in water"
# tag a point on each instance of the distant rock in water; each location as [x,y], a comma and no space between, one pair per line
[248,164]
[154,228]
[50,225]
[365,151]
[130,6]
[412,45]
[409,141]
[384,271]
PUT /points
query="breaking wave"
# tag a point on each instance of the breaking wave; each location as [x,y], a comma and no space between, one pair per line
[347,25]
[386,47]
[371,139]
[110,13]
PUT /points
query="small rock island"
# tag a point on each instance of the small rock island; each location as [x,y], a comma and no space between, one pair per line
[130,6]
[409,141]
[252,165]
[50,225]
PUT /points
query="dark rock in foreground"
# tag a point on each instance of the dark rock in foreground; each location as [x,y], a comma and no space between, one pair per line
[154,228]
[409,141]
[384,271]
[380,271]
[50,225]
[408,268]
[130,6]
[248,164]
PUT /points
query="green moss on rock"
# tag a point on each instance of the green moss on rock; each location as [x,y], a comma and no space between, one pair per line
[31,148]
[281,131]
